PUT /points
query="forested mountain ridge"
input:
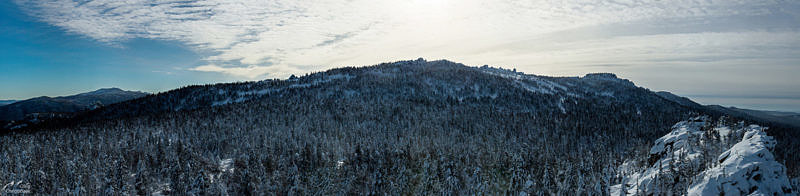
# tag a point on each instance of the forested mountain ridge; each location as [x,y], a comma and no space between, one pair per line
[418,80]
[409,127]
[678,99]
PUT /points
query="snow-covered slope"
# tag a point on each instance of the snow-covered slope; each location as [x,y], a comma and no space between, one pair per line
[683,162]
[748,168]
[532,83]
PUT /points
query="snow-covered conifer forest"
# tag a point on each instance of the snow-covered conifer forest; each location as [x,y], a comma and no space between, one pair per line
[406,128]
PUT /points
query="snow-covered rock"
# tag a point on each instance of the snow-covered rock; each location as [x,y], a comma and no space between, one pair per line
[678,150]
[748,168]
[677,160]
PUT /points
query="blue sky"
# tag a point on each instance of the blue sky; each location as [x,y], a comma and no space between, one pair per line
[739,53]
[38,59]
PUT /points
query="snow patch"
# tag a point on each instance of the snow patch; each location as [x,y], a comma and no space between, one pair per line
[724,133]
[163,189]
[225,165]
[339,164]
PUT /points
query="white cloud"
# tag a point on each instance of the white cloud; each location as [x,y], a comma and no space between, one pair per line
[249,71]
[254,38]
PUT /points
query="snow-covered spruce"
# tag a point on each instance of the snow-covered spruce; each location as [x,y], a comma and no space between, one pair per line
[747,168]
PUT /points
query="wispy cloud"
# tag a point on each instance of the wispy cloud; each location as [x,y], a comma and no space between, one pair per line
[254,38]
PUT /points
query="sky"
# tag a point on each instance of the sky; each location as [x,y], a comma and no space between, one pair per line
[743,53]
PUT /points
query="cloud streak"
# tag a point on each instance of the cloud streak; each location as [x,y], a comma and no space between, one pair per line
[255,38]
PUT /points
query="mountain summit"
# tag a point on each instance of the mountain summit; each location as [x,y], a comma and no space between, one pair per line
[417,81]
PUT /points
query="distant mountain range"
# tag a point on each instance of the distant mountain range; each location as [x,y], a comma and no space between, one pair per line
[6,102]
[788,118]
[18,110]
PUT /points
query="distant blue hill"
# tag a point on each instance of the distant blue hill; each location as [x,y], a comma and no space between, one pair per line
[6,102]
[787,118]
[17,110]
